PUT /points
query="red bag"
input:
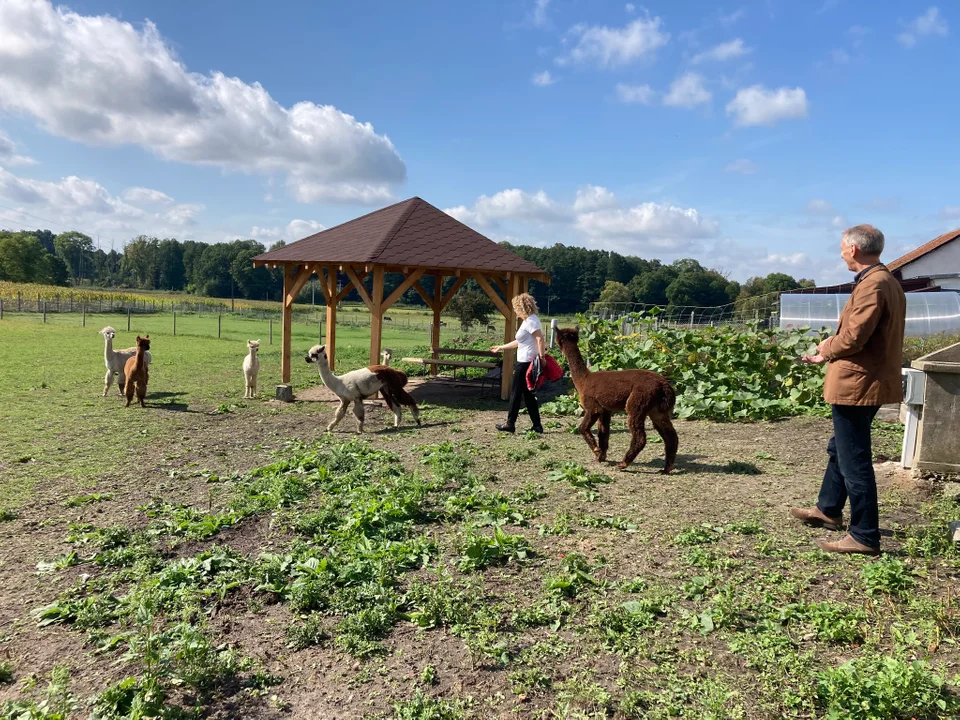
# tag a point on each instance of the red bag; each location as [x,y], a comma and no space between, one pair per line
[539,372]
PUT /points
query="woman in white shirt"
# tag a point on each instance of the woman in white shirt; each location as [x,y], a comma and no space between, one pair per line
[529,345]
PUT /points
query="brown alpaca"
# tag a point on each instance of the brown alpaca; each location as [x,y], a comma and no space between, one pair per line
[136,372]
[638,392]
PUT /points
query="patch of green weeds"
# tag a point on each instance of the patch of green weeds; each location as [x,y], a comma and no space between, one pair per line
[874,687]
[87,499]
[887,575]
[479,551]
[423,707]
[527,681]
[8,515]
[614,523]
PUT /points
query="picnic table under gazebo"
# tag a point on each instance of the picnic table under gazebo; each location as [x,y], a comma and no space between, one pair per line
[412,238]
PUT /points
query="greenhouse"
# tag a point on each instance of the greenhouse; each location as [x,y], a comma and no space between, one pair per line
[928,313]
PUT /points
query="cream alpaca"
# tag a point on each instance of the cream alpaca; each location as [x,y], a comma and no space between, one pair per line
[358,384]
[251,367]
[114,360]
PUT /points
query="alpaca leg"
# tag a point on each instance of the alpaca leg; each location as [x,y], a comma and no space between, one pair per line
[121,383]
[664,427]
[586,426]
[107,382]
[395,409]
[253,387]
[141,393]
[128,391]
[636,421]
[405,398]
[341,411]
[603,435]
[358,412]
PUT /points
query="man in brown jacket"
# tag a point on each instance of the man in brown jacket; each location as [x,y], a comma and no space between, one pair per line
[863,373]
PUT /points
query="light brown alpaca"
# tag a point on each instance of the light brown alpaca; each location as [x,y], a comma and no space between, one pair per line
[136,372]
[640,393]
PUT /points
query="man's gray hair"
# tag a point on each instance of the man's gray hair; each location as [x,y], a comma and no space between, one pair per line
[866,237]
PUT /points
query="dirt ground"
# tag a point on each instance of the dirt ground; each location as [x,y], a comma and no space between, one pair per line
[725,474]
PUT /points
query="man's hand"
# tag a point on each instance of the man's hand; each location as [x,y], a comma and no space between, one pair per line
[817,359]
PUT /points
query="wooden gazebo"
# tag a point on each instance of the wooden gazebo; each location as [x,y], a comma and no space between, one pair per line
[412,238]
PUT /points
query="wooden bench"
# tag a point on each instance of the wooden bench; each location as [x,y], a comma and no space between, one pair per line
[437,361]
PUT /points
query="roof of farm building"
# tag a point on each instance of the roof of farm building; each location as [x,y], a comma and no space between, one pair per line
[923,250]
[412,233]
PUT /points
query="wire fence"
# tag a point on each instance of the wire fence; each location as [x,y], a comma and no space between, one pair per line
[762,311]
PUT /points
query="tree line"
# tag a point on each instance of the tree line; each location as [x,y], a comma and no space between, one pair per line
[580,276]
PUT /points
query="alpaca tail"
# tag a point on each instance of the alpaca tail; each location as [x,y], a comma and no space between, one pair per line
[668,397]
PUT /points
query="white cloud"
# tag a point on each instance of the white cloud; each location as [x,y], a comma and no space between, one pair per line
[687,91]
[543,79]
[511,204]
[930,23]
[757,105]
[86,205]
[298,229]
[101,81]
[630,8]
[361,194]
[295,230]
[642,94]
[950,212]
[742,166]
[539,15]
[146,196]
[593,197]
[612,47]
[8,153]
[820,207]
[70,195]
[724,51]
[181,215]
[646,226]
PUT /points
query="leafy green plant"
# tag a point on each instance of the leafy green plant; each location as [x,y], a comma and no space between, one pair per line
[874,687]
[423,707]
[6,673]
[8,515]
[564,405]
[87,499]
[719,373]
[479,551]
[887,575]
[578,476]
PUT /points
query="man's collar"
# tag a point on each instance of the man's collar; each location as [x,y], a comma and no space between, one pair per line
[859,275]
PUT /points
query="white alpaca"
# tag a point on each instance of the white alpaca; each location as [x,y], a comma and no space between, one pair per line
[251,367]
[358,384]
[114,360]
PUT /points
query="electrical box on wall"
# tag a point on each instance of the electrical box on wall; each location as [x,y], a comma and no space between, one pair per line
[914,383]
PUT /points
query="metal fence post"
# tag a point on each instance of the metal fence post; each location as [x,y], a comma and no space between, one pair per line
[271,331]
[84,314]
[128,318]
[19,301]
[219,318]
[174,322]
[44,312]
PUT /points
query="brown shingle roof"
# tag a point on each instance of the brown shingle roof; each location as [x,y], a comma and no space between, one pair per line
[923,250]
[412,233]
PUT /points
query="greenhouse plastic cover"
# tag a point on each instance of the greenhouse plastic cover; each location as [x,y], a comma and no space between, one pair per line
[928,313]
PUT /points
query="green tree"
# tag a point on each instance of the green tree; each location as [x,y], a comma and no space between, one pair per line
[615,293]
[74,248]
[23,259]
[470,306]
[703,288]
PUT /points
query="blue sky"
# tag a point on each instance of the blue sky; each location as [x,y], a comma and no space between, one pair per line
[746,136]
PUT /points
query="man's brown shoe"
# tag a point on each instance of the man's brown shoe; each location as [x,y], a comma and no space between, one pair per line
[814,518]
[847,544]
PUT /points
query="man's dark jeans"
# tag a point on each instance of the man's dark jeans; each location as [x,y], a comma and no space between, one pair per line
[850,473]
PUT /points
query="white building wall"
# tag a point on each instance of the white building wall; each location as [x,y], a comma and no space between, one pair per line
[945,260]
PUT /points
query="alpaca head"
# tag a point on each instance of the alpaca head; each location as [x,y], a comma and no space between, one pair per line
[253,346]
[316,354]
[108,332]
[568,337]
[143,343]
